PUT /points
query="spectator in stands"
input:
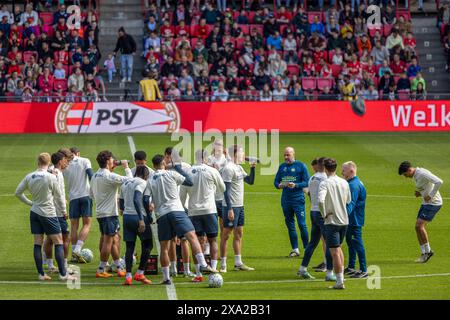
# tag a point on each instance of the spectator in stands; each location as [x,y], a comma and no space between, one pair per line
[389,16]
[127,47]
[332,26]
[275,40]
[419,93]
[317,26]
[27,94]
[403,82]
[29,16]
[211,15]
[296,92]
[220,94]
[283,16]
[413,68]
[370,93]
[300,22]
[184,80]
[279,93]
[242,18]
[265,94]
[394,39]
[418,79]
[61,13]
[60,72]
[277,66]
[45,81]
[152,25]
[270,26]
[184,65]
[335,41]
[410,46]
[76,79]
[384,68]
[90,93]
[148,88]
[346,14]
[385,83]
[110,67]
[347,88]
[379,53]
[169,67]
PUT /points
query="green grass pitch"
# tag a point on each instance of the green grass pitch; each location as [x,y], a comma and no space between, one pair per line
[389,234]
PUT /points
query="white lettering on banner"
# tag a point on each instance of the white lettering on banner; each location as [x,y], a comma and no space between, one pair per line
[117,117]
[396,115]
[401,116]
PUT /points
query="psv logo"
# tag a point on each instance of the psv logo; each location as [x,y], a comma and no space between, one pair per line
[126,117]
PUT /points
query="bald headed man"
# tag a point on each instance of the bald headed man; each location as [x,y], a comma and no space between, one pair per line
[356,215]
[292,177]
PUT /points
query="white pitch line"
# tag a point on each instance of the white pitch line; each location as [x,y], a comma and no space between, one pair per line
[369,195]
[279,193]
[413,276]
[171,291]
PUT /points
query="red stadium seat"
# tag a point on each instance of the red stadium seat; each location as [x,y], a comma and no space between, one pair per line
[309,83]
[312,14]
[324,82]
[387,29]
[403,95]
[47,18]
[405,13]
[259,28]
[396,79]
[294,70]
[245,28]
[194,42]
[336,70]
[60,82]
[372,31]
[28,54]
[240,43]
[251,16]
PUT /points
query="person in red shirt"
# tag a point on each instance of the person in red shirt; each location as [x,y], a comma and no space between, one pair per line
[397,66]
[167,30]
[364,43]
[409,44]
[182,26]
[370,68]
[283,16]
[354,67]
[309,69]
[201,30]
[45,81]
[324,69]
[13,67]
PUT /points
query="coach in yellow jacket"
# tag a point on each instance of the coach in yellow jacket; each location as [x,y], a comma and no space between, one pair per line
[148,87]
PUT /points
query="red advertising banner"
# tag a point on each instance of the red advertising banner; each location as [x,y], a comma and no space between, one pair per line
[151,117]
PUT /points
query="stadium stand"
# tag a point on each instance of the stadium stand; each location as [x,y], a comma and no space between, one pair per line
[247,48]
[40,53]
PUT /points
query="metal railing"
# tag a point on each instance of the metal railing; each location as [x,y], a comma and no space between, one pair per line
[133,96]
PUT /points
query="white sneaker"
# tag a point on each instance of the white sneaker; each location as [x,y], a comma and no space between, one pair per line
[223,270]
[44,277]
[338,286]
[67,277]
[189,274]
[124,79]
[129,80]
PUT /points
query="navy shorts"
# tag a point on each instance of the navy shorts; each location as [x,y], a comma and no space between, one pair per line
[109,226]
[41,225]
[239,217]
[80,208]
[205,224]
[64,225]
[219,208]
[172,224]
[334,235]
[427,212]
[130,228]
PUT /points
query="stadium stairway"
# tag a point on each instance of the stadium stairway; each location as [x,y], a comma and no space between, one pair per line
[114,14]
[431,56]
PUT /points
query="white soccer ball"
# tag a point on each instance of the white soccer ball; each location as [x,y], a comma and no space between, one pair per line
[87,255]
[215,280]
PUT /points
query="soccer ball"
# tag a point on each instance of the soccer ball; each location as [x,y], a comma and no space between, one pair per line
[215,280]
[87,255]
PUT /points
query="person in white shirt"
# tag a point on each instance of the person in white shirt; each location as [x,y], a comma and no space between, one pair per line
[104,189]
[279,93]
[136,223]
[45,192]
[233,212]
[220,94]
[334,195]
[317,226]
[77,176]
[202,206]
[60,162]
[171,217]
[427,187]
[218,160]
[181,241]
[29,16]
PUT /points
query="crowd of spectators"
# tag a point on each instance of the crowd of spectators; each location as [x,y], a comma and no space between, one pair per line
[45,58]
[206,51]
